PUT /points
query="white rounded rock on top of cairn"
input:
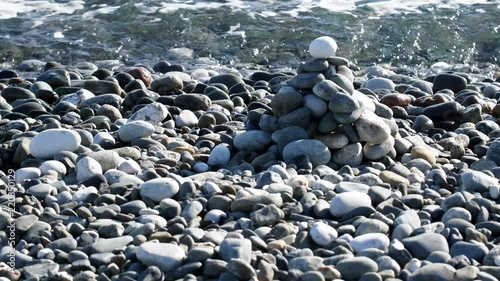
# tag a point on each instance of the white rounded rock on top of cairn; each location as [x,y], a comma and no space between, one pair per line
[323,47]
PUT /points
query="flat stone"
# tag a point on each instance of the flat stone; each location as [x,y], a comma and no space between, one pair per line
[433,272]
[234,248]
[135,130]
[252,140]
[370,241]
[354,268]
[420,246]
[165,256]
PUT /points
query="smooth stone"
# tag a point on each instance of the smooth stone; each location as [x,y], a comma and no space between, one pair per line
[318,153]
[247,203]
[447,111]
[456,212]
[158,189]
[28,173]
[354,268]
[165,256]
[424,153]
[475,181]
[234,248]
[135,130]
[110,244]
[87,167]
[268,215]
[326,88]
[372,226]
[40,269]
[476,251]
[433,272]
[41,190]
[55,77]
[376,151]
[186,118]
[409,217]
[493,152]
[241,269]
[333,141]
[372,128]
[370,241]
[420,246]
[59,140]
[323,47]
[25,222]
[379,83]
[305,81]
[153,113]
[341,102]
[349,155]
[322,234]
[252,140]
[305,263]
[453,82]
[219,156]
[393,179]
[346,202]
[317,106]
[286,100]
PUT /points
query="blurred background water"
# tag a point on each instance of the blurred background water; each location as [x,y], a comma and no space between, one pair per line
[267,32]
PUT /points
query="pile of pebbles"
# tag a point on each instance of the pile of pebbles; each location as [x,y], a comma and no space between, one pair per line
[322,173]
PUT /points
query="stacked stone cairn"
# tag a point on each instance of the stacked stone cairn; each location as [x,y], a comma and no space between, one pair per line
[317,116]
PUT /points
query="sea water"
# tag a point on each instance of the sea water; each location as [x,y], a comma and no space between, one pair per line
[267,32]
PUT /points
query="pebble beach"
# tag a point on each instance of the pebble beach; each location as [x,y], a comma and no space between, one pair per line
[318,172]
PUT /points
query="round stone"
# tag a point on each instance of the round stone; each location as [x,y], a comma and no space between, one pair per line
[158,189]
[420,246]
[431,272]
[322,234]
[379,83]
[318,153]
[59,140]
[219,156]
[354,268]
[349,155]
[370,241]
[186,118]
[372,128]
[135,129]
[346,202]
[252,140]
[323,47]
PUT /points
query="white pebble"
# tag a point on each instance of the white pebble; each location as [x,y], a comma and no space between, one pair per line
[186,118]
[322,234]
[53,165]
[323,47]
[103,137]
[130,167]
[27,173]
[87,167]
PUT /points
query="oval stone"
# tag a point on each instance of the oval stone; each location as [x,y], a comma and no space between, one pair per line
[50,142]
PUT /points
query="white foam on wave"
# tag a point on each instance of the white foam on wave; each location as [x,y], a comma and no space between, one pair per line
[175,5]
[104,9]
[13,8]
